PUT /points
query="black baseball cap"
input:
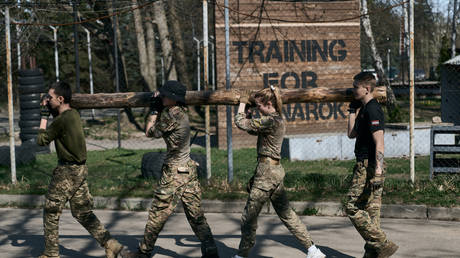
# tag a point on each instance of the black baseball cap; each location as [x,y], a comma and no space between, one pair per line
[173,90]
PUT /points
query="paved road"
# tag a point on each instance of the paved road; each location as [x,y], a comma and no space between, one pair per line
[21,235]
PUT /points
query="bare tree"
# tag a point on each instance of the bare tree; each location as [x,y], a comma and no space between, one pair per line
[179,49]
[378,64]
[142,50]
[151,50]
[166,45]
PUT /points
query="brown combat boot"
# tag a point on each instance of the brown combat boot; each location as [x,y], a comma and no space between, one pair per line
[387,250]
[112,248]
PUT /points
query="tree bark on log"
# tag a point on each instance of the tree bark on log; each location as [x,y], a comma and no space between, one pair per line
[218,97]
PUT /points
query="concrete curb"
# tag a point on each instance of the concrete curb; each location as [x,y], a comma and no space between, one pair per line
[215,206]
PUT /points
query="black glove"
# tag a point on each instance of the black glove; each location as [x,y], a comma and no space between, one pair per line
[45,111]
[45,106]
[156,105]
[354,105]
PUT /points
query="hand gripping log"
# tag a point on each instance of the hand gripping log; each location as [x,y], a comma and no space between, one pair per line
[218,97]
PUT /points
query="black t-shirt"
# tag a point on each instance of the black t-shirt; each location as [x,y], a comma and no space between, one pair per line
[369,120]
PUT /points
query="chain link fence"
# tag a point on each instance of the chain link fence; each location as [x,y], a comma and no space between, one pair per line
[286,44]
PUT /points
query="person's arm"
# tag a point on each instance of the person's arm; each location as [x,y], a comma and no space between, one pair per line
[150,124]
[167,121]
[377,127]
[379,150]
[351,125]
[354,107]
[46,136]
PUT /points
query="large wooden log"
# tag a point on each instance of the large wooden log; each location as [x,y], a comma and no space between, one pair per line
[218,97]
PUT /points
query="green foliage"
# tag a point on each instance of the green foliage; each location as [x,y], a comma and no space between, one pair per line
[117,173]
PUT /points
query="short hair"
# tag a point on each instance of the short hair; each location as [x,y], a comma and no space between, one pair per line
[364,79]
[62,89]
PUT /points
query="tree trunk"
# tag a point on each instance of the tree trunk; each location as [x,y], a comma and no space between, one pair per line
[378,65]
[218,97]
[166,46]
[179,49]
[151,50]
[142,50]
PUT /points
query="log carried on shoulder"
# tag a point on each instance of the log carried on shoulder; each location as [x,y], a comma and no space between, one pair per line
[218,97]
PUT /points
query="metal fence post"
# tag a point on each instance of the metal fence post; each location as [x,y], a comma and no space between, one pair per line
[207,117]
[91,86]
[412,93]
[75,34]
[10,96]
[117,82]
[227,86]
[56,54]
[198,82]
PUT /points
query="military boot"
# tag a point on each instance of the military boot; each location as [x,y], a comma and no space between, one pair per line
[137,254]
[112,248]
[370,252]
[387,249]
[209,249]
[46,256]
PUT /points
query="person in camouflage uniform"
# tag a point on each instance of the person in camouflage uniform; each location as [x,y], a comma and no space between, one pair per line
[68,182]
[267,182]
[179,181]
[364,197]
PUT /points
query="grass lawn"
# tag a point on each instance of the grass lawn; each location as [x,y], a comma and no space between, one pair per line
[117,173]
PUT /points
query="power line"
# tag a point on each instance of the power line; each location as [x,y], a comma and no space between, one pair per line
[85,21]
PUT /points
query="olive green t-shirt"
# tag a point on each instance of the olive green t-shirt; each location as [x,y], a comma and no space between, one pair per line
[67,133]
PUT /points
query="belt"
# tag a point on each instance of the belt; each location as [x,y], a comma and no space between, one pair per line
[270,160]
[69,163]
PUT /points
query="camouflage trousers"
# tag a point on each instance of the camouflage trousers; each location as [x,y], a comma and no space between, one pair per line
[178,182]
[363,205]
[267,184]
[68,183]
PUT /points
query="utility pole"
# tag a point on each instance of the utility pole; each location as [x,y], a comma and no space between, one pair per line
[412,92]
[10,95]
[227,86]
[205,82]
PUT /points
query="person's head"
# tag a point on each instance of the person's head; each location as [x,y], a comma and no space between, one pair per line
[60,93]
[363,85]
[269,100]
[172,93]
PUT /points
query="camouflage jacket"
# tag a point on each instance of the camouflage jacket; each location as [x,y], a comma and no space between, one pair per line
[269,130]
[173,125]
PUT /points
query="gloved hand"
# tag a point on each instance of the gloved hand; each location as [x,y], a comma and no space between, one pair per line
[244,98]
[354,105]
[156,104]
[44,106]
[377,181]
[44,111]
